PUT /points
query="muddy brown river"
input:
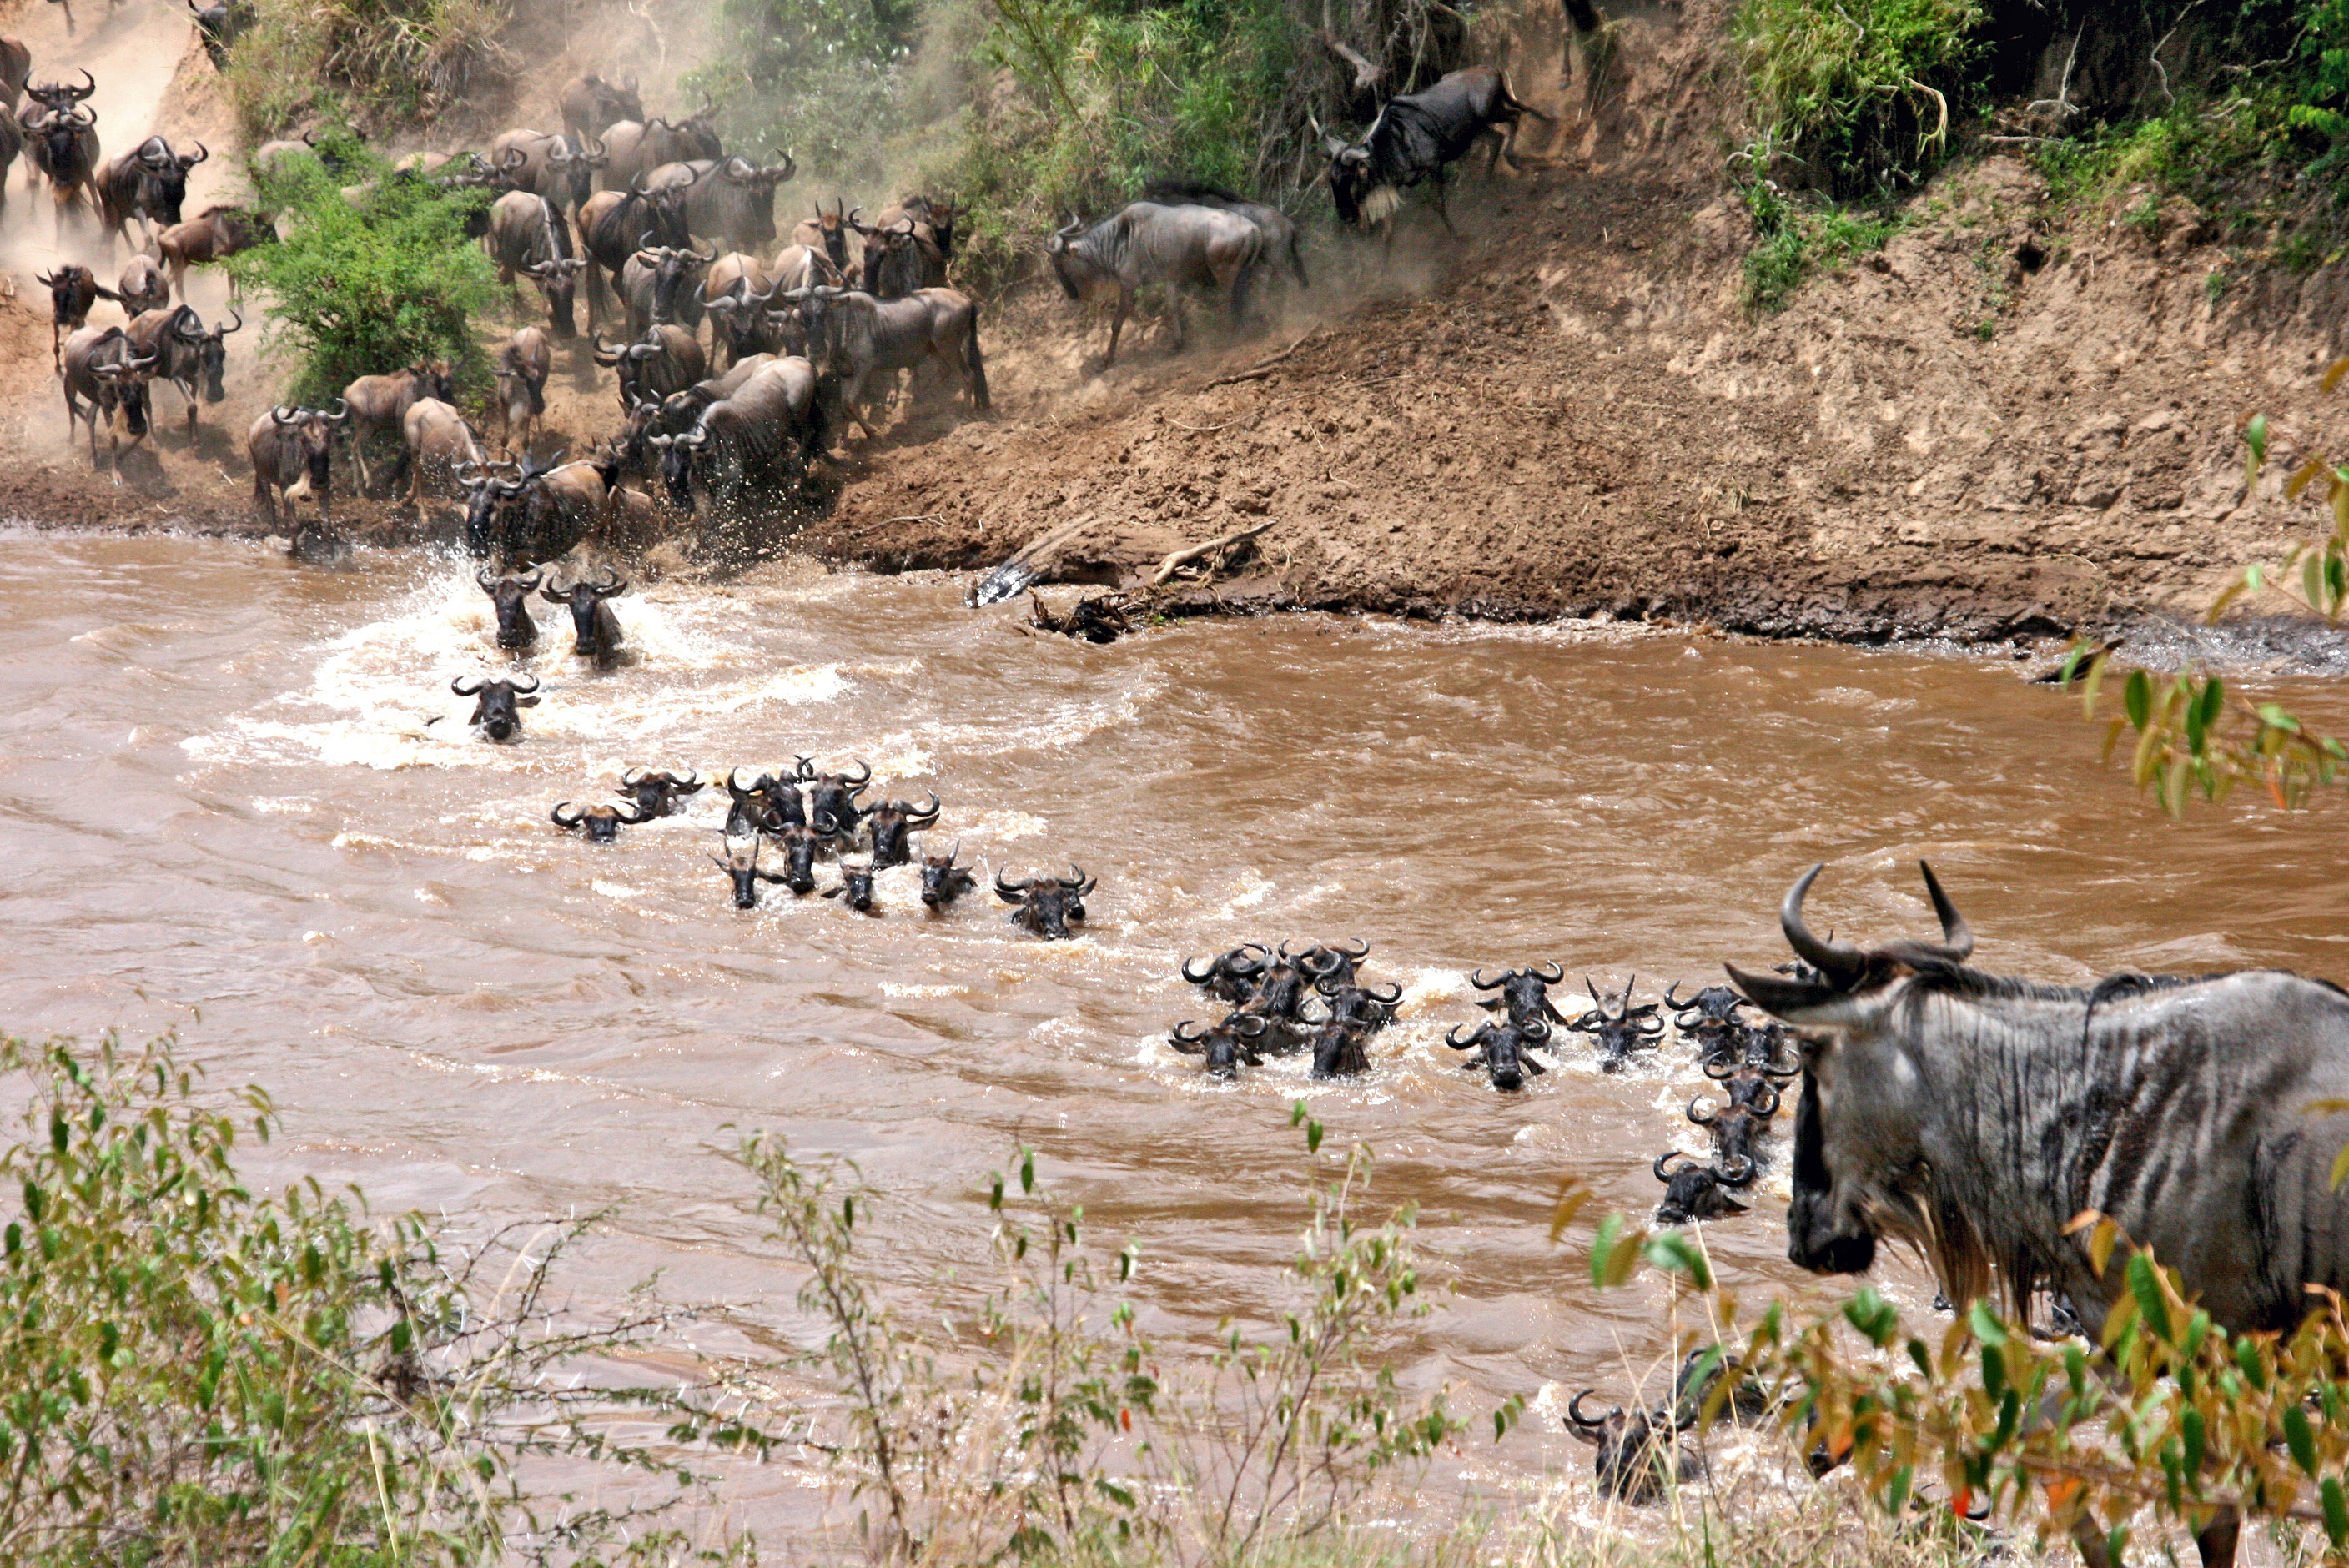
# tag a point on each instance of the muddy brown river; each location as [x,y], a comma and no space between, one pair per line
[238,799]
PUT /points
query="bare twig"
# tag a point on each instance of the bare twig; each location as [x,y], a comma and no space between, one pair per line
[1366,75]
[2061,103]
[2155,57]
[1262,367]
[1182,558]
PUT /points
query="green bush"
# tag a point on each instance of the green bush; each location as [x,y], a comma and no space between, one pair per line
[1794,239]
[383,63]
[1859,92]
[366,283]
[821,78]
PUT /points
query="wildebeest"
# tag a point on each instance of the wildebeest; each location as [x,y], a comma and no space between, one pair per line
[1225,1044]
[943,881]
[636,147]
[612,226]
[899,259]
[1416,139]
[16,70]
[1279,996]
[288,447]
[149,184]
[63,145]
[799,845]
[861,334]
[595,628]
[889,823]
[1697,1190]
[557,504]
[1330,967]
[603,822]
[497,705]
[562,169]
[729,199]
[437,445]
[528,235]
[653,286]
[184,353]
[220,25]
[760,440]
[1046,904]
[215,235]
[1734,1130]
[1282,241]
[73,289]
[855,889]
[143,286]
[510,596]
[827,233]
[1522,993]
[590,104]
[1709,1020]
[1637,1453]
[1502,1050]
[666,360]
[378,406]
[1145,245]
[1618,1028]
[735,292]
[523,364]
[832,805]
[740,864]
[1746,1083]
[1230,976]
[753,811]
[103,365]
[12,147]
[658,793]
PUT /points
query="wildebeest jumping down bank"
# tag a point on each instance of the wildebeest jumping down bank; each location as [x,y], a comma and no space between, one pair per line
[1145,244]
[1973,1116]
[1418,137]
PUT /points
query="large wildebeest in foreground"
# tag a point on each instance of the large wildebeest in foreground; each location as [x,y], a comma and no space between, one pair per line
[150,183]
[289,447]
[103,367]
[63,146]
[1282,242]
[1416,141]
[528,235]
[860,335]
[184,354]
[213,234]
[1179,247]
[1974,1116]
[757,442]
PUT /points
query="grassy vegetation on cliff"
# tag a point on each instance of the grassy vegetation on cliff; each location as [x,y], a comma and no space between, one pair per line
[1861,93]
[376,63]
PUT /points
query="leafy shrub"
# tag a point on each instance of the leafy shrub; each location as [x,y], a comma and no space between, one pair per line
[1794,239]
[822,78]
[1861,92]
[369,284]
[380,63]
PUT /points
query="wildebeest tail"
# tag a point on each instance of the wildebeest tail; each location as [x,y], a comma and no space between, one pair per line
[537,384]
[1510,101]
[1297,260]
[975,364]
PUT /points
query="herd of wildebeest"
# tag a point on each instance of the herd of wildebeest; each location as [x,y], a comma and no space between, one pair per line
[667,229]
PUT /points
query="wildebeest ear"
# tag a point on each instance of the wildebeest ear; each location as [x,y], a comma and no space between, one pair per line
[525,702]
[1332,145]
[1789,999]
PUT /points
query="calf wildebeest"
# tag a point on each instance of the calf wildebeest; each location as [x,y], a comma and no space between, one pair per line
[1417,138]
[612,226]
[528,235]
[653,286]
[667,360]
[855,889]
[439,445]
[1637,1453]
[1709,1019]
[1697,1190]
[1230,976]
[215,235]
[1973,1116]
[184,353]
[591,104]
[595,628]
[861,334]
[562,169]
[509,595]
[1618,1028]
[16,70]
[1522,993]
[1046,904]
[523,364]
[103,364]
[379,408]
[889,823]
[288,447]
[497,705]
[1225,1044]
[760,441]
[149,184]
[943,882]
[143,286]
[603,822]
[63,145]
[220,25]
[658,793]
[1734,1130]
[1145,244]
[1281,237]
[740,864]
[827,233]
[73,289]
[1502,1050]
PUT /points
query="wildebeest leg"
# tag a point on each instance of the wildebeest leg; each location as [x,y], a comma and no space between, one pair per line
[1436,184]
[1117,323]
[1174,310]
[2216,1541]
[2094,1552]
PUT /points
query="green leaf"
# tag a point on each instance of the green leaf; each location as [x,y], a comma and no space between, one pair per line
[2298,1438]
[2145,1283]
[1602,1248]
[2255,440]
[1987,1328]
[2137,699]
[2275,717]
[2336,1512]
[2193,1429]
[2212,702]
[1673,1252]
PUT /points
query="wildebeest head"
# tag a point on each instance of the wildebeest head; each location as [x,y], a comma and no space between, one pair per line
[488,500]
[740,864]
[1733,1129]
[127,380]
[943,882]
[312,431]
[1278,993]
[1619,1028]
[800,844]
[1853,1169]
[603,822]
[1226,1045]
[1503,1051]
[497,704]
[1696,1190]
[659,794]
[211,349]
[753,807]
[1750,1085]
[891,821]
[1230,976]
[169,172]
[517,633]
[1354,190]
[1523,994]
[1368,1008]
[1638,1452]
[855,889]
[1046,904]
[832,803]
[1057,249]
[1336,964]
[73,288]
[1709,1020]
[1341,1048]
[594,629]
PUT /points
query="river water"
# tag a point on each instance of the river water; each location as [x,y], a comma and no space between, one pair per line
[239,799]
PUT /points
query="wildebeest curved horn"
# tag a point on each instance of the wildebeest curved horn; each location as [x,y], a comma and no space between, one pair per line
[1356,950]
[1666,1158]
[1535,1032]
[1766,1086]
[486,580]
[203,153]
[1254,967]
[1582,1423]
[629,776]
[239,326]
[89,85]
[1387,995]
[1738,1172]
[926,813]
[1451,1037]
[1239,1025]
[1843,965]
[630,815]
[1548,973]
[1015,891]
[462,689]
[1675,1004]
[1188,1044]
[1699,1121]
[341,415]
[284,416]
[526,689]
[575,818]
[1771,1069]
[1080,884]
[1957,936]
[1721,1077]
[1476,978]
[864,779]
[1198,979]
[1651,1026]
[1327,967]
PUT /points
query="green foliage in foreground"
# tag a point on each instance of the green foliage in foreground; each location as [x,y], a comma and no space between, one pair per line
[366,285]
[1859,92]
[1794,239]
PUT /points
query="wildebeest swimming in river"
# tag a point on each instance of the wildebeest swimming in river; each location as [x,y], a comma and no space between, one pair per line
[1973,1116]
[497,704]
[1046,904]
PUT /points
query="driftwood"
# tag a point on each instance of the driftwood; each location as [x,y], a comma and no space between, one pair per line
[1182,558]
